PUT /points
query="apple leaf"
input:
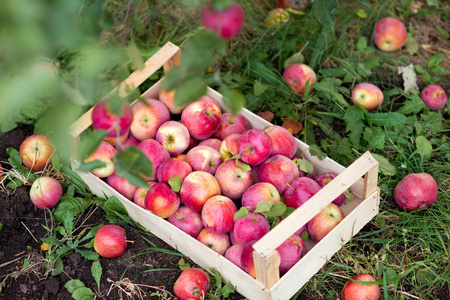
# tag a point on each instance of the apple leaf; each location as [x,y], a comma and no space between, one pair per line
[189,91]
[305,165]
[89,143]
[424,147]
[385,166]
[276,210]
[175,183]
[87,167]
[244,167]
[133,164]
[266,115]
[304,235]
[234,100]
[264,206]
[241,213]
[183,265]
[293,126]
[323,10]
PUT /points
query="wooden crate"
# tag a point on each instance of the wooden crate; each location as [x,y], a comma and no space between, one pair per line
[360,177]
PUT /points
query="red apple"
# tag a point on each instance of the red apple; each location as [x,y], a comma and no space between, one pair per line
[204,158]
[117,141]
[36,152]
[283,142]
[188,220]
[130,141]
[168,98]
[253,227]
[231,124]
[218,214]
[140,193]
[355,291]
[161,200]
[291,250]
[300,191]
[155,153]
[198,187]
[174,137]
[173,167]
[247,259]
[325,178]
[230,146]
[147,117]
[45,192]
[232,180]
[255,146]
[297,75]
[434,97]
[110,241]
[210,99]
[211,142]
[390,34]
[226,23]
[261,191]
[416,191]
[202,118]
[234,254]
[322,223]
[192,284]
[219,242]
[116,125]
[104,153]
[367,95]
[278,170]
[121,185]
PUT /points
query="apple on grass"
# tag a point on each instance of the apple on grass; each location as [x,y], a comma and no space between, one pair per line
[173,167]
[261,191]
[297,75]
[226,23]
[104,153]
[218,242]
[283,142]
[233,180]
[252,227]
[192,284]
[231,124]
[110,241]
[254,146]
[300,191]
[121,185]
[278,170]
[204,158]
[322,223]
[45,192]
[214,143]
[155,153]
[105,119]
[230,146]
[188,220]
[416,191]
[161,200]
[291,250]
[234,254]
[36,152]
[325,178]
[202,118]
[434,97]
[174,137]
[367,95]
[354,291]
[147,118]
[198,187]
[390,34]
[218,214]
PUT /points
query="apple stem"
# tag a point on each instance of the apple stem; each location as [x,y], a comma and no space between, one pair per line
[128,241]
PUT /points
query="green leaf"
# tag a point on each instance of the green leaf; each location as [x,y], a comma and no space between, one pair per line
[89,143]
[425,276]
[264,206]
[424,147]
[90,166]
[67,209]
[385,166]
[175,183]
[135,56]
[86,254]
[296,58]
[244,167]
[183,265]
[241,213]
[73,284]
[375,136]
[411,45]
[390,276]
[361,45]
[276,210]
[189,91]
[305,165]
[133,165]
[115,209]
[386,119]
[353,118]
[52,240]
[328,91]
[83,293]
[414,104]
[91,233]
[96,271]
[58,267]
[259,88]
[435,60]
[233,100]
[323,10]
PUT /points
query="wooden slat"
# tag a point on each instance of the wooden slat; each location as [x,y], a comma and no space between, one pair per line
[266,270]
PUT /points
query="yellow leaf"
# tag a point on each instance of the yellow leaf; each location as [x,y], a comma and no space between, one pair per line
[45,246]
[361,13]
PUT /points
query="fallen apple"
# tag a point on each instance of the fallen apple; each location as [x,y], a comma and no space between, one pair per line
[192,284]
[45,192]
[434,97]
[225,23]
[416,191]
[110,241]
[36,152]
[390,34]
[354,291]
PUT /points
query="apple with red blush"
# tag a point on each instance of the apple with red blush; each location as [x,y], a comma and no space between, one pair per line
[198,187]
[202,118]
[121,185]
[214,143]
[148,116]
[230,124]
[234,254]
[173,167]
[140,193]
[161,200]
[297,75]
[218,214]
[173,136]
[390,34]
[204,158]
[354,290]
[300,191]
[278,170]
[261,191]
[104,118]
[155,152]
[226,22]
[232,179]
[192,284]
[45,192]
[188,220]
[325,178]
[110,241]
[291,251]
[230,146]
[218,242]
[283,142]
[252,227]
[131,140]
[434,97]
[416,191]
[247,262]
[168,98]
[254,146]
[104,153]
[367,95]
[36,152]
[325,221]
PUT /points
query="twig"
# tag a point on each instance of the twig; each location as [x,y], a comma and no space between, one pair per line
[29,232]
